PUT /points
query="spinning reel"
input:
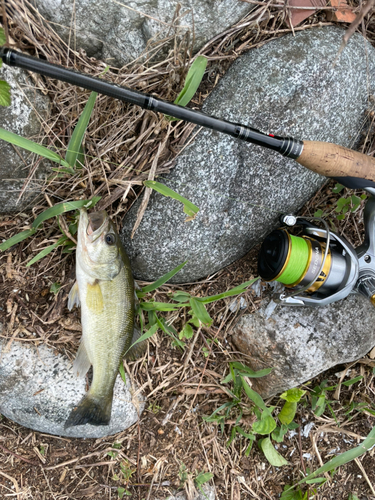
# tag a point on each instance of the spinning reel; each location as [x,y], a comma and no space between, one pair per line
[320,266]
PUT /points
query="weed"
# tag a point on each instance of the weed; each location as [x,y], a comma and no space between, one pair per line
[343,204]
[154,408]
[55,287]
[201,478]
[5,98]
[183,475]
[73,160]
[114,454]
[264,424]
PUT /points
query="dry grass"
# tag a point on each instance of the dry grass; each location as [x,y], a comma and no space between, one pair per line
[122,145]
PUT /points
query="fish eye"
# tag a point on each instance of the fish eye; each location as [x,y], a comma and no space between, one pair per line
[110,239]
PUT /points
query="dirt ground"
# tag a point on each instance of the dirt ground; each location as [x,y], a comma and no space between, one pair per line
[171,444]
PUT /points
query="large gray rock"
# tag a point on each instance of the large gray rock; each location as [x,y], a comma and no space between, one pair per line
[299,343]
[22,117]
[38,390]
[289,86]
[123,33]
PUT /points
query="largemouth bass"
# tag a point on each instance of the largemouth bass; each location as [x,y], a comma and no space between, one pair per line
[105,291]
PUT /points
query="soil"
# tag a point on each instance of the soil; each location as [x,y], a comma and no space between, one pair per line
[172,443]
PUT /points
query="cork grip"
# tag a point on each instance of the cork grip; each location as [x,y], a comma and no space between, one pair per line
[332,160]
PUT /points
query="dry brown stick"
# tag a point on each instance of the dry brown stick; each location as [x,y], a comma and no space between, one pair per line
[18,456]
[357,461]
[148,191]
[357,21]
[296,7]
[65,229]
[13,481]
[84,466]
[5,24]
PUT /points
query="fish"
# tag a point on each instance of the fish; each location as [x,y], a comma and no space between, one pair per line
[105,291]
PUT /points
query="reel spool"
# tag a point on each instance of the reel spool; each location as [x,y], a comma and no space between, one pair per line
[296,261]
[318,267]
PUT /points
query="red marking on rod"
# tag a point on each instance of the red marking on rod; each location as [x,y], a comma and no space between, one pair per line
[271,135]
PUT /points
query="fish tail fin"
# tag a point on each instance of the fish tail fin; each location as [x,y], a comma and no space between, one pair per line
[91,410]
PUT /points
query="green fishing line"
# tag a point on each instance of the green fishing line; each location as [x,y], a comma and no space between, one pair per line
[297,263]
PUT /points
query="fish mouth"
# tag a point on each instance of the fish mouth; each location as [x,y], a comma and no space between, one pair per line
[97,222]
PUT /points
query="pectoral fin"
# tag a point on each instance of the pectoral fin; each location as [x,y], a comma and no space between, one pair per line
[73,298]
[94,298]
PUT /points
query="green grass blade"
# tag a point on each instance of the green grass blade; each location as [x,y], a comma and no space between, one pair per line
[352,381]
[121,369]
[163,279]
[254,396]
[74,146]
[343,458]
[234,291]
[17,238]
[192,81]
[46,251]
[61,208]
[5,97]
[31,146]
[245,371]
[159,306]
[189,208]
[2,37]
[145,336]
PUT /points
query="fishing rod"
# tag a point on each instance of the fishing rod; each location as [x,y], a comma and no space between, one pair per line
[318,266]
[350,168]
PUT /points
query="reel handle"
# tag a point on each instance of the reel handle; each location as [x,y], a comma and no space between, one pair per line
[333,160]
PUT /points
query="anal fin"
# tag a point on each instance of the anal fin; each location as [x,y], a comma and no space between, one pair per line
[81,364]
[138,349]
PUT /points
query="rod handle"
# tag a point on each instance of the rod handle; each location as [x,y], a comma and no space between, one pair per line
[332,160]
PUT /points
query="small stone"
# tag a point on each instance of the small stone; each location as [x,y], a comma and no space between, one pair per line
[38,389]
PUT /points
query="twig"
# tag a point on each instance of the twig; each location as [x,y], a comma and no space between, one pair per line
[97,464]
[13,481]
[350,31]
[65,229]
[365,475]
[18,456]
[148,191]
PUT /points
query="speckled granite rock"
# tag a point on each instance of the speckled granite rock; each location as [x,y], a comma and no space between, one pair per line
[21,117]
[129,28]
[299,343]
[288,86]
[38,390]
